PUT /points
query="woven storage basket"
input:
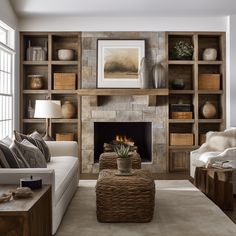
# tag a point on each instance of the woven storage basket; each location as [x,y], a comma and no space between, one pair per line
[125,198]
[107,160]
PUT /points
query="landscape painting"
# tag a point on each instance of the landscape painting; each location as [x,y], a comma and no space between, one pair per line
[119,63]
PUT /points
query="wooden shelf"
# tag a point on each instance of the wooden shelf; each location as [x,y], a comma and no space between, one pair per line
[38,91]
[186,91]
[64,91]
[122,92]
[183,147]
[64,120]
[38,63]
[64,63]
[210,120]
[180,62]
[34,120]
[210,92]
[210,62]
[181,120]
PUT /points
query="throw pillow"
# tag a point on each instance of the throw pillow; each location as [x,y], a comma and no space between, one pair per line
[32,154]
[3,161]
[7,141]
[36,139]
[18,153]
[10,157]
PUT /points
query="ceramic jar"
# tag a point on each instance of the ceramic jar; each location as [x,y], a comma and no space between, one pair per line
[178,84]
[68,110]
[65,54]
[208,110]
[35,81]
[209,54]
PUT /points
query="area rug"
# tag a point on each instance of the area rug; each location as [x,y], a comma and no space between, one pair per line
[180,209]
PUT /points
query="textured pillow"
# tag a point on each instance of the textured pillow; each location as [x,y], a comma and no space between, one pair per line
[36,139]
[32,154]
[10,157]
[18,153]
[7,141]
[3,161]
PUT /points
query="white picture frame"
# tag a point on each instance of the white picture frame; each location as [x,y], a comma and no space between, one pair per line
[118,63]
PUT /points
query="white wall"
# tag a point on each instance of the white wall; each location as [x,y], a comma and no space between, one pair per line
[232,102]
[8,16]
[123,24]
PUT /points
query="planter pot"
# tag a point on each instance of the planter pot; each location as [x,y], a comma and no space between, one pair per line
[124,165]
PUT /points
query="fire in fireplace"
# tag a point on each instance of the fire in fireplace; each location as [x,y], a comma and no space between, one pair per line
[136,134]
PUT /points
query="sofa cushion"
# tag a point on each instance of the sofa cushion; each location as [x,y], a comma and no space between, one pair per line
[31,153]
[36,139]
[65,168]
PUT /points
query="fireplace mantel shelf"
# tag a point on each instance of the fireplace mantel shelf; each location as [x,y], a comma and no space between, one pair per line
[151,93]
[124,92]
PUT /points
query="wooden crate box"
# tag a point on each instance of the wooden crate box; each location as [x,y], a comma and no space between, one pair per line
[64,137]
[209,82]
[178,139]
[64,81]
[181,115]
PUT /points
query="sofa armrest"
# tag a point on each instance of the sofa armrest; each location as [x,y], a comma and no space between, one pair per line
[13,176]
[63,148]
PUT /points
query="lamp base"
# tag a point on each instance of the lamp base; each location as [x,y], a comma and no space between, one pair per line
[46,137]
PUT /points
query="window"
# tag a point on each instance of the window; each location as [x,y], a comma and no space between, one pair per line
[6,82]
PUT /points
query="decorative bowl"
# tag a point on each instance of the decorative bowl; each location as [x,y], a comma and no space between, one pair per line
[65,54]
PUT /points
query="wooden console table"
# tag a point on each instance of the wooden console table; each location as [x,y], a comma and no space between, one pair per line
[27,217]
[217,185]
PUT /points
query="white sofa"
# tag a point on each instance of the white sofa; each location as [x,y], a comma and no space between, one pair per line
[61,173]
[219,146]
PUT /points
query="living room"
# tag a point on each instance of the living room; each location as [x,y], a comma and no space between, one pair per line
[85,81]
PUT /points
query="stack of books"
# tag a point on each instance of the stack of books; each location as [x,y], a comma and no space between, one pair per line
[222,164]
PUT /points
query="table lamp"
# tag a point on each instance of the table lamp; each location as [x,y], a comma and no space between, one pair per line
[47,109]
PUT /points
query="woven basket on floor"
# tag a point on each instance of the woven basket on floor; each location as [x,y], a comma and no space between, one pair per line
[107,160]
[125,198]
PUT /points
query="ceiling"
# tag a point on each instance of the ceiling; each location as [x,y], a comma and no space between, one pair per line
[121,8]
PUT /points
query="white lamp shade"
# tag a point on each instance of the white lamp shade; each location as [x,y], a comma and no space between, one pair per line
[47,109]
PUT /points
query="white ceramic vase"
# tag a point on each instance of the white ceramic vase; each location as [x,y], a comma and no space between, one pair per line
[209,54]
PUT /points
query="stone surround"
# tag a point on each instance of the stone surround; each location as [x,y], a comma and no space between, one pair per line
[122,108]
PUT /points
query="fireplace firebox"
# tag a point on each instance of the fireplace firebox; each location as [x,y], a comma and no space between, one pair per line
[139,132]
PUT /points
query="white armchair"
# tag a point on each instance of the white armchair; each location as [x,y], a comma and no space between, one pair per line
[219,146]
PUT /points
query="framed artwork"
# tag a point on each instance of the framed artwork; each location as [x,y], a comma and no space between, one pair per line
[118,63]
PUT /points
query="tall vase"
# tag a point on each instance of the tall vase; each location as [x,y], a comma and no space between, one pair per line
[144,73]
[158,73]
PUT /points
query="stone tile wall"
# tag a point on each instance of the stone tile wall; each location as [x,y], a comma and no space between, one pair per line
[122,108]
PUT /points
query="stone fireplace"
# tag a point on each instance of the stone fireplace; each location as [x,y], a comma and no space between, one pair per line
[140,133]
[122,109]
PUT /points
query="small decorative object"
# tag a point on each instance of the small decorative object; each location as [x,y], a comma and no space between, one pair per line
[124,163]
[35,81]
[182,50]
[209,54]
[118,63]
[5,197]
[65,54]
[208,110]
[30,110]
[22,192]
[64,136]
[32,182]
[144,73]
[158,73]
[178,84]
[68,110]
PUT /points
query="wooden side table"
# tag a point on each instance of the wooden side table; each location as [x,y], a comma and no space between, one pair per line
[27,217]
[217,185]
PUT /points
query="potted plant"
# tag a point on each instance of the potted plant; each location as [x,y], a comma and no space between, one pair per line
[182,50]
[124,163]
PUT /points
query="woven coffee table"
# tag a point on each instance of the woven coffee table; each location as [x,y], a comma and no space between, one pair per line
[125,198]
[108,160]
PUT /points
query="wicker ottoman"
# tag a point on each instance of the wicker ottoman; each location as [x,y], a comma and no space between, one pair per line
[125,198]
[107,160]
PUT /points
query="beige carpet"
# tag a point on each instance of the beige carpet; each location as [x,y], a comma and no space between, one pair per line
[180,210]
